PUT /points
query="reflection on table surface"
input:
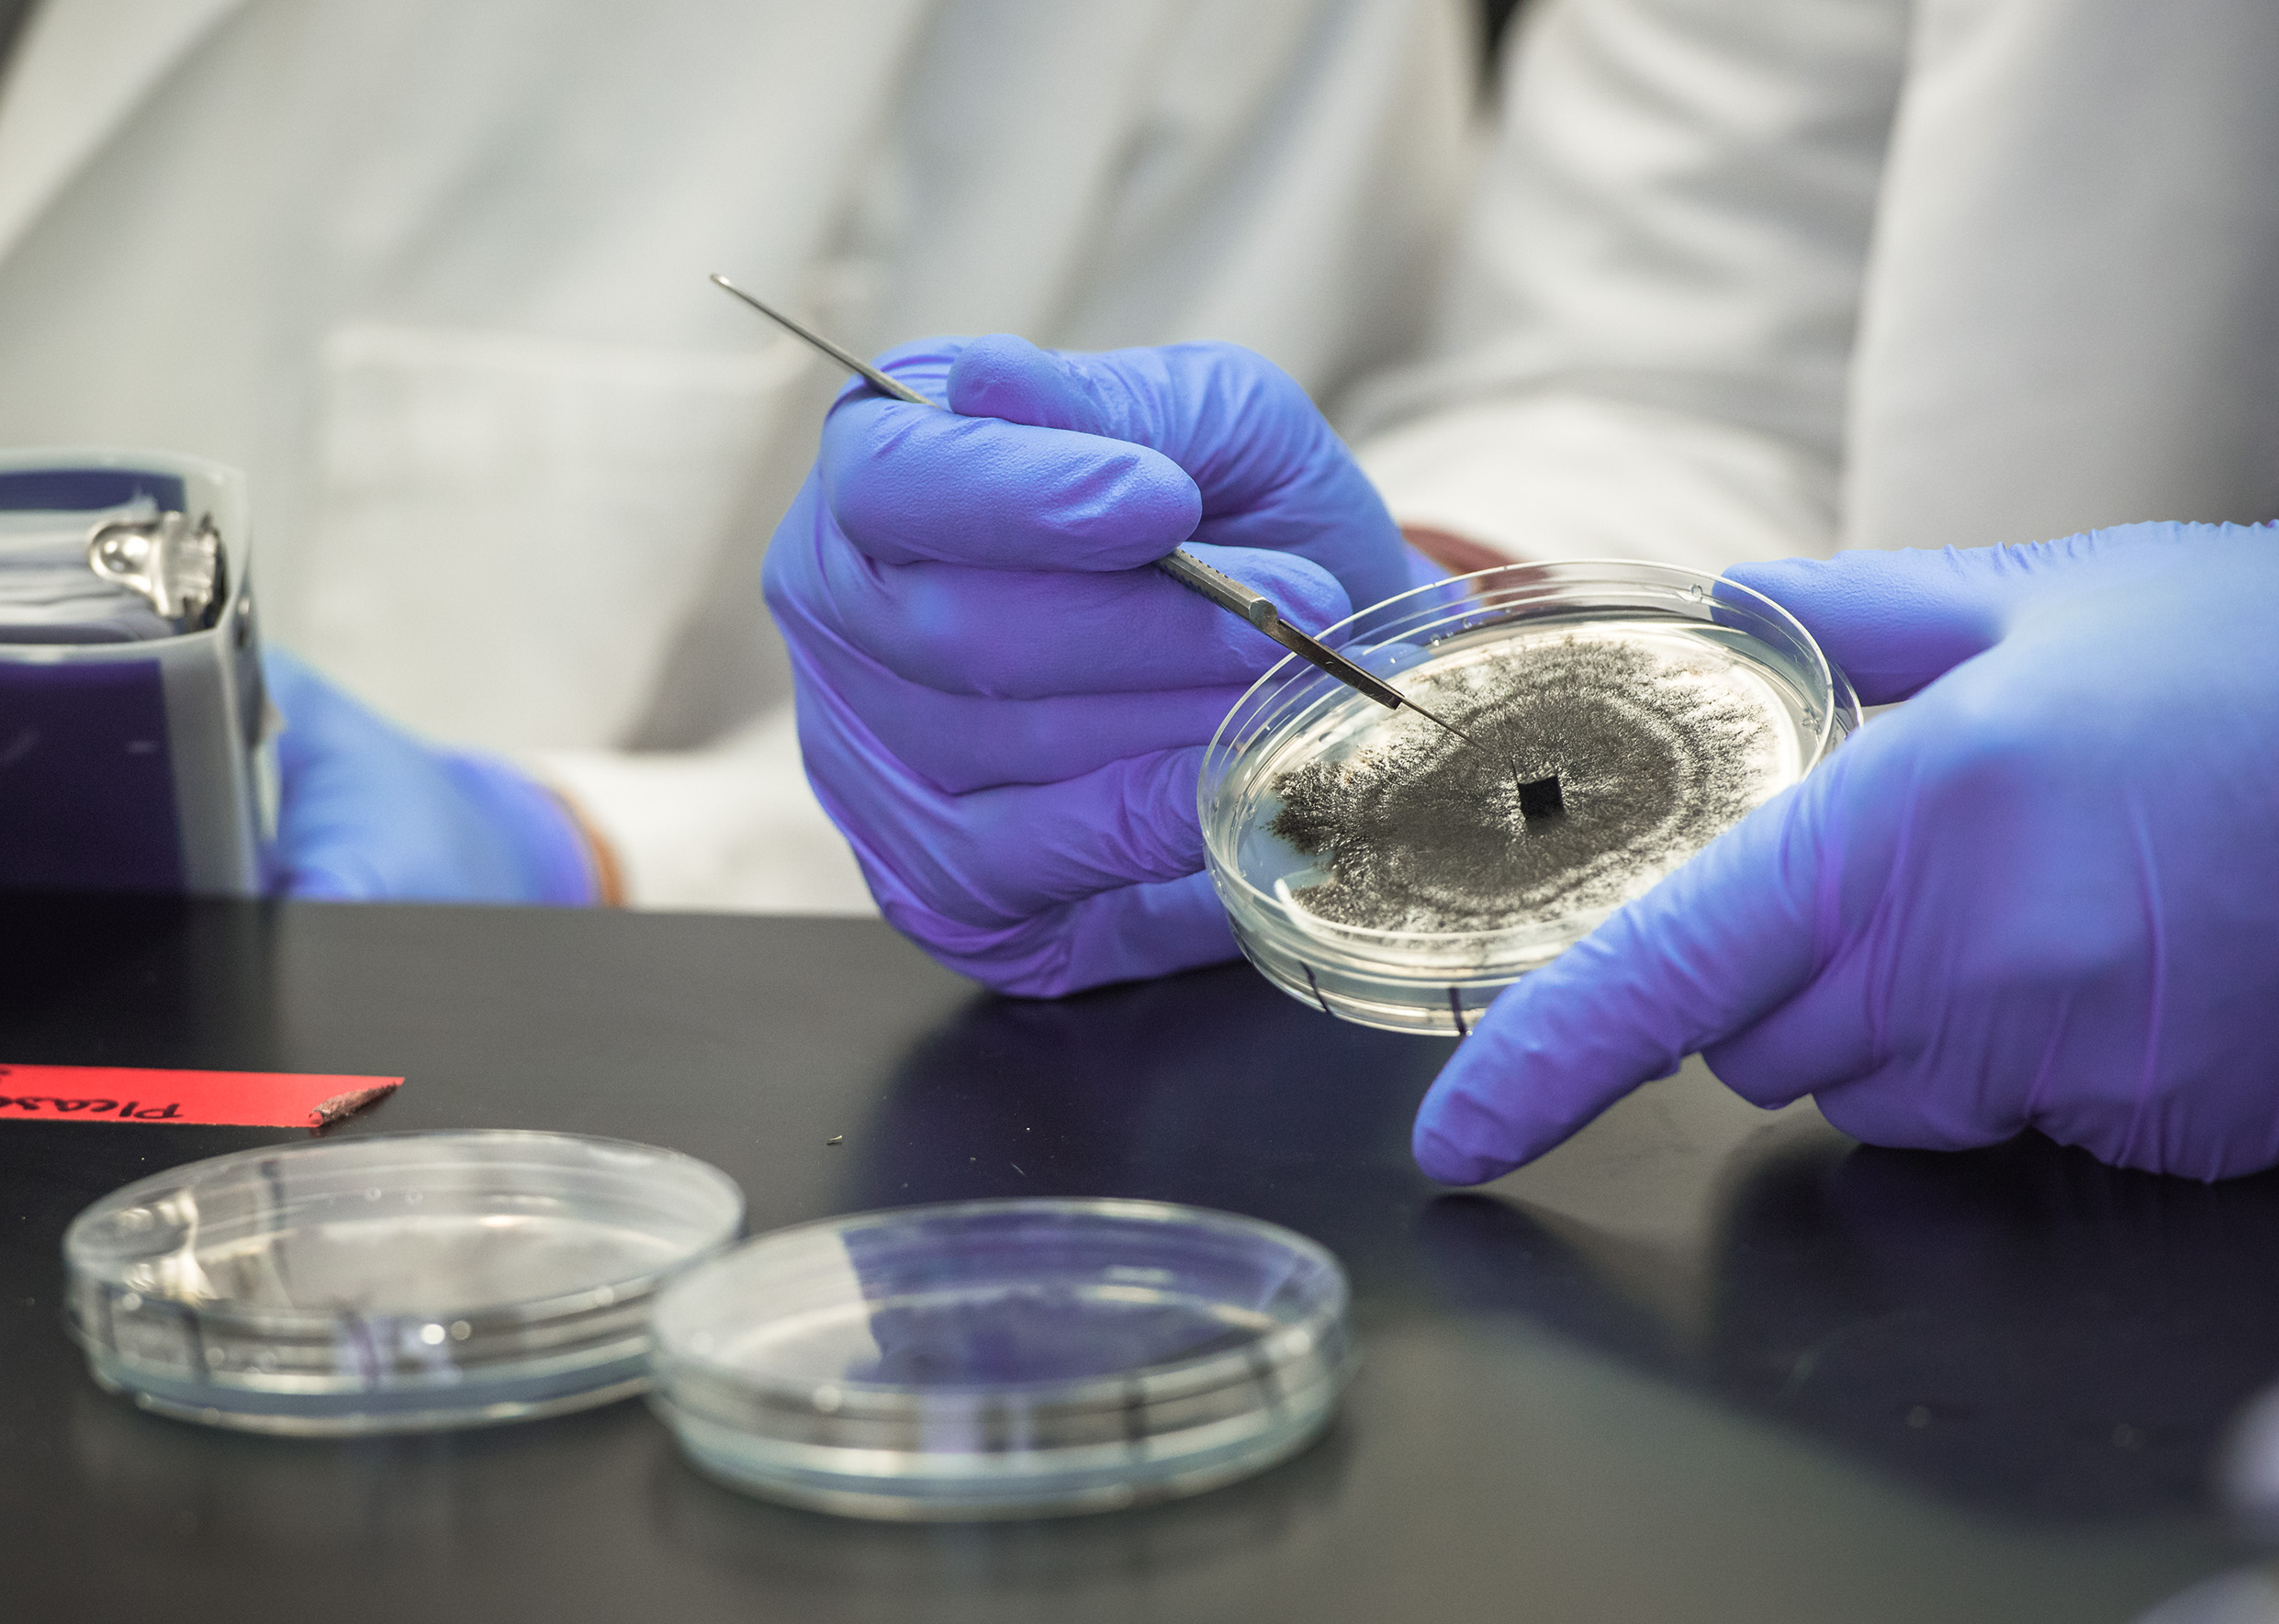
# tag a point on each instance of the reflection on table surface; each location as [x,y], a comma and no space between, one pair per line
[2019,1327]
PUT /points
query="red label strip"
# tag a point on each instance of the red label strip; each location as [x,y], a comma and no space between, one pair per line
[238,1099]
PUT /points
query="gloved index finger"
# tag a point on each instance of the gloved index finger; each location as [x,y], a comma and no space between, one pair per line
[909,483]
[1239,425]
[1716,946]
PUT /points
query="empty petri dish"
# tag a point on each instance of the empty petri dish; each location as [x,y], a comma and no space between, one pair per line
[1003,1358]
[1610,720]
[396,1283]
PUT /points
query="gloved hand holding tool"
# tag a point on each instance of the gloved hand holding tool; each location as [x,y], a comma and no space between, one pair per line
[1000,704]
[370,813]
[2045,894]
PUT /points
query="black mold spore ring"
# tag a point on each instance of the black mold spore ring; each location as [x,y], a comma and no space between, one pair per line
[1654,752]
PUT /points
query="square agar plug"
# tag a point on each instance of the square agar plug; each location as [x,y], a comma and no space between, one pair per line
[1541,798]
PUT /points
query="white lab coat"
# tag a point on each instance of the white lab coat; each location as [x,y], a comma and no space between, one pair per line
[1754,277]
[432,271]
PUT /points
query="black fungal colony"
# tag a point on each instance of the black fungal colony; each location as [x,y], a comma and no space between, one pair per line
[1656,750]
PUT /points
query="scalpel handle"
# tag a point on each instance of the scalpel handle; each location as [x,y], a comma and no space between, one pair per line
[1259,610]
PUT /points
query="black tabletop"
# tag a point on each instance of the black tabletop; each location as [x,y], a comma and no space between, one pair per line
[1704,1362]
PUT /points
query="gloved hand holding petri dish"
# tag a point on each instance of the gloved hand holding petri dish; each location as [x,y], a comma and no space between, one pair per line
[2040,896]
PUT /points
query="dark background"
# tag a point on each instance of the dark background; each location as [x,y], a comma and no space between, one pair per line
[1703,1362]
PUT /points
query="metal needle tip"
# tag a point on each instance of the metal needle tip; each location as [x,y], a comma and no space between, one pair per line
[1444,724]
[846,358]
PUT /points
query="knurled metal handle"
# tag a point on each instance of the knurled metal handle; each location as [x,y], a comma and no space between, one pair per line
[1222,589]
[1259,610]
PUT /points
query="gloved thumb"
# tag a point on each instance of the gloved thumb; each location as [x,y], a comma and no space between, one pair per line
[1269,471]
[1898,620]
[1003,375]
[1234,421]
[1711,950]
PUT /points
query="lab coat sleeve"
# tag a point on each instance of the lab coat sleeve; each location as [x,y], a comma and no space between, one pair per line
[732,827]
[1646,346]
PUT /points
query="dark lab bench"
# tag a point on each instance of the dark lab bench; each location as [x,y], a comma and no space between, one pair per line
[1704,1362]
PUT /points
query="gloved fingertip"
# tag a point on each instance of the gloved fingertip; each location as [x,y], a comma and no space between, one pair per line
[1156,503]
[1447,1161]
[922,364]
[1310,596]
[1003,375]
[1462,1135]
[1896,620]
[1313,595]
[1773,576]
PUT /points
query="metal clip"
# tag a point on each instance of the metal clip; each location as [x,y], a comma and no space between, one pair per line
[176,567]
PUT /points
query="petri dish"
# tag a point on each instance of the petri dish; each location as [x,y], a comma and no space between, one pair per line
[390,1283]
[1001,1358]
[1621,716]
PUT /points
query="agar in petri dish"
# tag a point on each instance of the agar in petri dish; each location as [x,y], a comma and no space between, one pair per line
[1616,717]
[1000,1359]
[391,1282]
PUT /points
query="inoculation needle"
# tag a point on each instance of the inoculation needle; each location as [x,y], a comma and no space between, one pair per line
[1180,565]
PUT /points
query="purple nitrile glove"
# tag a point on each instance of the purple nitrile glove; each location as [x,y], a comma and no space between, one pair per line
[1000,704]
[2045,894]
[369,813]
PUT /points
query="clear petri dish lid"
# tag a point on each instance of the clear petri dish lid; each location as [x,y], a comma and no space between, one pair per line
[396,1283]
[1003,1358]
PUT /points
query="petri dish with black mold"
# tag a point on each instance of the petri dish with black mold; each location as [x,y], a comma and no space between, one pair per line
[392,1282]
[1616,717]
[1003,1359]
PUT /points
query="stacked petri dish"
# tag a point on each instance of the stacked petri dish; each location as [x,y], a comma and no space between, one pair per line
[1003,1359]
[1612,718]
[396,1283]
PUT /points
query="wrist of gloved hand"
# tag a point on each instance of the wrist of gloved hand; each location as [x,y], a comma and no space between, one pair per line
[368,812]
